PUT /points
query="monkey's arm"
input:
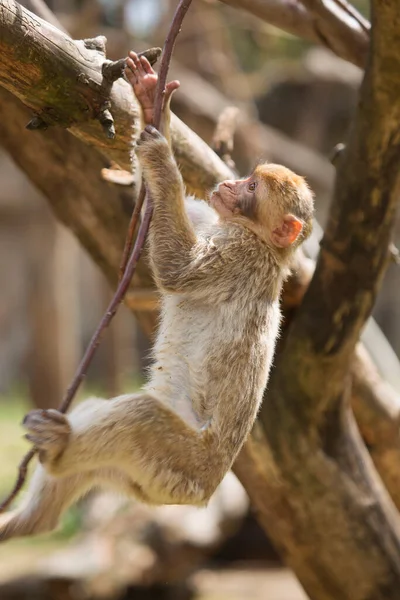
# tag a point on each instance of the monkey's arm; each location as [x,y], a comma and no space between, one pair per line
[172,236]
[181,261]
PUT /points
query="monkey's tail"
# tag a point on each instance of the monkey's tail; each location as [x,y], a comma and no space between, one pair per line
[47,498]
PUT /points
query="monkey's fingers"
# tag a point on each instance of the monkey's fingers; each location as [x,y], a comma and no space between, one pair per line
[47,429]
[131,73]
[147,66]
[45,416]
[138,64]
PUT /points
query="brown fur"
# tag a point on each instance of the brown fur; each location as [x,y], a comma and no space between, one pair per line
[220,276]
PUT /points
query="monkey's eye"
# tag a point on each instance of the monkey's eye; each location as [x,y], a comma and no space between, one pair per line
[252,186]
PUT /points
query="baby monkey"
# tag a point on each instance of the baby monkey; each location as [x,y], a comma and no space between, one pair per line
[219,267]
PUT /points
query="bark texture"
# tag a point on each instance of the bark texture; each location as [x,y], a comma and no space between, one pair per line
[67,171]
[305,467]
[61,80]
[375,403]
[307,471]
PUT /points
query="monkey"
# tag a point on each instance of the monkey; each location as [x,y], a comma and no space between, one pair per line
[219,267]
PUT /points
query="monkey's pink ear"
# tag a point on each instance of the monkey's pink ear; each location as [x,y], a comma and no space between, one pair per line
[288,232]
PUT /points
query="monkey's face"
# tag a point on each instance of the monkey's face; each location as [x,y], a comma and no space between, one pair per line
[236,197]
[274,202]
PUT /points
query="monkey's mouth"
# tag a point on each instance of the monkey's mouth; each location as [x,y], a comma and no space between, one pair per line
[222,205]
[221,200]
[215,197]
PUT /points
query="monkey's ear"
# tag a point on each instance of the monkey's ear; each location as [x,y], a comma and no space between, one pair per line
[287,233]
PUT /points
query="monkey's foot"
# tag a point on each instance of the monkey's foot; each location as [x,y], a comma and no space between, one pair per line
[49,431]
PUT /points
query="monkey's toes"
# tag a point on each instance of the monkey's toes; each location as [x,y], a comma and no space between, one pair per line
[47,429]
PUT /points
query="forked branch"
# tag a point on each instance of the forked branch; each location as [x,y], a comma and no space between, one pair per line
[335,25]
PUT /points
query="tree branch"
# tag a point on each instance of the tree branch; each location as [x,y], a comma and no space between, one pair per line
[61,80]
[341,28]
[331,516]
[299,466]
[376,403]
[355,250]
[333,27]
[40,8]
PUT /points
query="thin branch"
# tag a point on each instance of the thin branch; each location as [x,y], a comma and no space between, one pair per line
[75,91]
[132,228]
[133,260]
[158,104]
[337,26]
[355,14]
[222,142]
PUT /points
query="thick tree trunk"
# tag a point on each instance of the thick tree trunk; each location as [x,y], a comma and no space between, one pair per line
[307,471]
[324,508]
[375,403]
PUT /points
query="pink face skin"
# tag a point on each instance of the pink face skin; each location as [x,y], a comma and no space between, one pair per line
[235,197]
[241,198]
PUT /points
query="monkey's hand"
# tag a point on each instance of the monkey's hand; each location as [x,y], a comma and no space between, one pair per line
[143,80]
[164,183]
[49,431]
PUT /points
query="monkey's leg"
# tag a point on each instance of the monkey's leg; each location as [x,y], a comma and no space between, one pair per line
[46,499]
[169,460]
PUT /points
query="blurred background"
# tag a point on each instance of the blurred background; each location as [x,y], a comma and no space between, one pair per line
[296,103]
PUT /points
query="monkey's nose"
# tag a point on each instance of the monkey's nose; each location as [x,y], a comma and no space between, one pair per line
[229,184]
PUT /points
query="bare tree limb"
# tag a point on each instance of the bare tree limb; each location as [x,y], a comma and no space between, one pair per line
[222,142]
[301,477]
[312,468]
[355,14]
[335,28]
[61,80]
[339,26]
[376,403]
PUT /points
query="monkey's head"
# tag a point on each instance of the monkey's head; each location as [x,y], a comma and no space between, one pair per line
[273,202]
